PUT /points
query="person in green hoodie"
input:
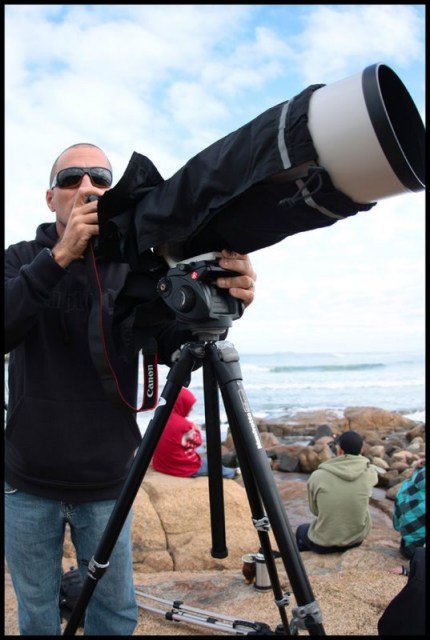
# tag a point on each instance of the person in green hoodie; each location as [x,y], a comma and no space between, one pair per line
[338,494]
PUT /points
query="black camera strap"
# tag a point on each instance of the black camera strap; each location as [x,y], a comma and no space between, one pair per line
[99,350]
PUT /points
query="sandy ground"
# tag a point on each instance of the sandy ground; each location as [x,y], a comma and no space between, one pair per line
[350,602]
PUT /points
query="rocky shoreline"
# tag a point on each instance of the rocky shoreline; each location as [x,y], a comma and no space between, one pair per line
[393,443]
[172,534]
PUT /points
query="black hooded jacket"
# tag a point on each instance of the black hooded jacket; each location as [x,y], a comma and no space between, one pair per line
[65,438]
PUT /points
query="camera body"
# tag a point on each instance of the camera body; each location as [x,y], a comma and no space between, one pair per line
[189,289]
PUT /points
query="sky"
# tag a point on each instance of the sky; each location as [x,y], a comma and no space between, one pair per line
[169,80]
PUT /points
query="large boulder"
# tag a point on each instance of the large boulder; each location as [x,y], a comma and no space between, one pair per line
[362,418]
[182,506]
[172,530]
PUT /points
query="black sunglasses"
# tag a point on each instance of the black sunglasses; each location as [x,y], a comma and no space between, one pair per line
[72,176]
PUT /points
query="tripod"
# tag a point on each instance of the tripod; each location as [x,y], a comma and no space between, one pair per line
[221,371]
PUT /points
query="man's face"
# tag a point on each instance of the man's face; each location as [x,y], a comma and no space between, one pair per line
[62,200]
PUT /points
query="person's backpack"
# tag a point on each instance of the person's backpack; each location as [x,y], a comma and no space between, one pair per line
[70,589]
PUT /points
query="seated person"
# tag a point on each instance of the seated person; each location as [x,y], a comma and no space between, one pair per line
[409,512]
[176,452]
[338,494]
[405,615]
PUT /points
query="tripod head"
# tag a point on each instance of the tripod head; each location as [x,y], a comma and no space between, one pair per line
[189,289]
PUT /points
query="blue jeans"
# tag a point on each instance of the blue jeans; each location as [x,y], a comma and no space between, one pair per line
[34,537]
[227,472]
[304,543]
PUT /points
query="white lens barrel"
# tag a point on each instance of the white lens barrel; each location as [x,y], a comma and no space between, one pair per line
[368,135]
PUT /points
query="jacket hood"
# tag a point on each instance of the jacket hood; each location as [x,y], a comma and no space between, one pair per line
[347,467]
[46,234]
[184,402]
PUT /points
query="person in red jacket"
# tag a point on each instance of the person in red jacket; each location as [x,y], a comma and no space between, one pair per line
[177,453]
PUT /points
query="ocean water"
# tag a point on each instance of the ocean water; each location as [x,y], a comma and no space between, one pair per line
[282,384]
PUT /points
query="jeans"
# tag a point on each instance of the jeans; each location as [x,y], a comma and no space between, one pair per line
[304,543]
[227,472]
[34,537]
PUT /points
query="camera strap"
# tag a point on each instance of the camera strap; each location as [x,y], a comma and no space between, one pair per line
[99,350]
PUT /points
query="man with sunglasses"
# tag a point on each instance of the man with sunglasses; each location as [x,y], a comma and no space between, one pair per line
[68,447]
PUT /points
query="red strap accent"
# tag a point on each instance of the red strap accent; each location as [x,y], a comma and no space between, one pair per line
[100,354]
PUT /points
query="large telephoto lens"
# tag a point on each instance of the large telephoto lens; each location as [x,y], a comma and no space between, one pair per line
[369,135]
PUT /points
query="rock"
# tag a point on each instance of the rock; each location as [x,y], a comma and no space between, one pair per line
[389,478]
[393,442]
[418,430]
[285,456]
[395,479]
[323,431]
[308,459]
[379,462]
[285,462]
[365,420]
[171,527]
[304,423]
[322,440]
[404,456]
[372,438]
[417,445]
[391,492]
[376,451]
[268,440]
[362,418]
[311,457]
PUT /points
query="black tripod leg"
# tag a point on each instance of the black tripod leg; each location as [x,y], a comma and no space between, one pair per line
[225,362]
[178,377]
[260,520]
[261,523]
[213,447]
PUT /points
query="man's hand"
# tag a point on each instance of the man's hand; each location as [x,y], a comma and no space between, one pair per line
[241,286]
[81,226]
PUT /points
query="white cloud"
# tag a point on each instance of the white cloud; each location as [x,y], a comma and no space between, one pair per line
[335,37]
